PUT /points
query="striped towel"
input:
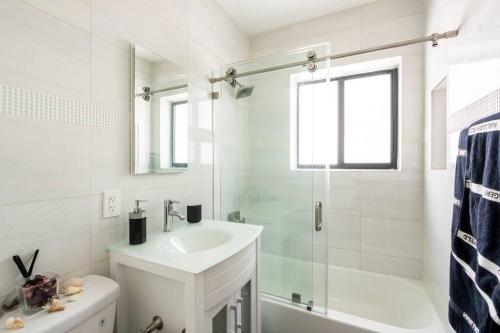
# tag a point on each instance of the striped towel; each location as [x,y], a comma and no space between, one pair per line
[475,259]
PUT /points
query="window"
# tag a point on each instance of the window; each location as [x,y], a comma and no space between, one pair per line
[179,134]
[351,123]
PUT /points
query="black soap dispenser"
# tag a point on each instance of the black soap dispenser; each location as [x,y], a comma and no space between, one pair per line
[137,224]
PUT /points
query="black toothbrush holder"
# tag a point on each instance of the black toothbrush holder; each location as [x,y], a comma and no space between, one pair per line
[194,213]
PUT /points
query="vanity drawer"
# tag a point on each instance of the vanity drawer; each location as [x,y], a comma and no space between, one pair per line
[223,279]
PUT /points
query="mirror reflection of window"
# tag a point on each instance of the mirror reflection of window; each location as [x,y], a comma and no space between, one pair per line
[173,131]
[179,134]
[161,116]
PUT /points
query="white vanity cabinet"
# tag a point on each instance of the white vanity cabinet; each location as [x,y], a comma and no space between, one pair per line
[237,313]
[231,294]
[212,291]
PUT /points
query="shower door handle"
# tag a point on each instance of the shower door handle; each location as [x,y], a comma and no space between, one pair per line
[318,216]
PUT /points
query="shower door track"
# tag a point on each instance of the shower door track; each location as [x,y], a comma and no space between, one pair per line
[316,309]
[434,38]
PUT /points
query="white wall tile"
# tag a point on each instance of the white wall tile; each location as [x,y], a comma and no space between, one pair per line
[344,231]
[100,268]
[75,12]
[397,200]
[412,114]
[344,258]
[268,43]
[175,11]
[396,238]
[210,26]
[122,22]
[345,41]
[398,29]
[42,159]
[345,197]
[391,265]
[390,9]
[62,61]
[110,82]
[326,24]
[413,176]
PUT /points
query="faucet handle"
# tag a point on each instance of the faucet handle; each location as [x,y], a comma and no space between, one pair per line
[169,202]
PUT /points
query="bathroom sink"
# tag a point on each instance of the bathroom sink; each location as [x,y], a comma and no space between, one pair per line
[191,241]
[190,247]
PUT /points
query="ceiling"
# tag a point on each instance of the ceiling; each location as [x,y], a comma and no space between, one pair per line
[254,16]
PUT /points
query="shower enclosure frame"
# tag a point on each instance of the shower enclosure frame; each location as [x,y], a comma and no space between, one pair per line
[307,62]
[314,262]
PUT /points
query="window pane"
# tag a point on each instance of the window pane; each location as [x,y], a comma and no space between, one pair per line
[317,124]
[367,119]
[305,125]
[180,134]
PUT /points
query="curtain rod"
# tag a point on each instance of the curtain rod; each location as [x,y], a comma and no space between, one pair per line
[434,38]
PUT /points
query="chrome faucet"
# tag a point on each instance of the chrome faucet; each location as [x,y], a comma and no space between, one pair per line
[170,213]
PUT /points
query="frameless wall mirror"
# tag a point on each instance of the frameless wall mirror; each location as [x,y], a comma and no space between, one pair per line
[160,113]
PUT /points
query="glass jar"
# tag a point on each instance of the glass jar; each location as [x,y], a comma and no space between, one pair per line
[36,291]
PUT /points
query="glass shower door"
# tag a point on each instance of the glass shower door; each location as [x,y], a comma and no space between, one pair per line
[270,170]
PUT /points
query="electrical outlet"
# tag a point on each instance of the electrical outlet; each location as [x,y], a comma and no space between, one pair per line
[111,203]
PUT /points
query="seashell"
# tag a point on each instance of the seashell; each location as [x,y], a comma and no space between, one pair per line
[73,290]
[73,282]
[73,298]
[14,323]
[55,305]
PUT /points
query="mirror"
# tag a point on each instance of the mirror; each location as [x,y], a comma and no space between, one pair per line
[160,113]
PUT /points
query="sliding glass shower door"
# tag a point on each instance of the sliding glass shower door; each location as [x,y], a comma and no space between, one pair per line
[269,166]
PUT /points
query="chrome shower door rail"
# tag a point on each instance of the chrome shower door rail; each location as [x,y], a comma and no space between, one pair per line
[434,38]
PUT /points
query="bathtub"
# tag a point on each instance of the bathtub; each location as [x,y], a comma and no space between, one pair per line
[359,302]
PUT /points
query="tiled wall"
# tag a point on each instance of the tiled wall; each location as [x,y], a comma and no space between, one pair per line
[374,221]
[478,40]
[64,121]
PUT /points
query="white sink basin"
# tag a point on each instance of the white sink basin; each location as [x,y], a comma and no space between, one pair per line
[192,248]
[191,241]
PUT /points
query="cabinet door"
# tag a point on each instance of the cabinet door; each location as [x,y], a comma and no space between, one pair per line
[246,308]
[219,318]
[245,299]
[237,314]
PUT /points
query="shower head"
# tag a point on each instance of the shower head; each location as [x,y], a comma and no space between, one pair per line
[243,91]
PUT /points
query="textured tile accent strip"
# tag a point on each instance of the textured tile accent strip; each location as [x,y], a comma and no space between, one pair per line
[28,103]
[483,107]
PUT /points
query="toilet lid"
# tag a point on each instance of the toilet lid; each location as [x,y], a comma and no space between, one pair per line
[99,292]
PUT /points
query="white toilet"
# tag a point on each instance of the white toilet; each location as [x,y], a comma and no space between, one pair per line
[93,312]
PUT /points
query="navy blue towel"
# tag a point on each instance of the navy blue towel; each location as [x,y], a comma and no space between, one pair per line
[475,259]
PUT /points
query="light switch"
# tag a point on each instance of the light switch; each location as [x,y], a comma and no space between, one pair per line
[111,203]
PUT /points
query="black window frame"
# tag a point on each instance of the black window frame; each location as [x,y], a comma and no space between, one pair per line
[393,164]
[172,135]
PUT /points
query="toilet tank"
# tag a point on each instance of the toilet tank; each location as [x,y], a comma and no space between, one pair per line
[101,322]
[93,312]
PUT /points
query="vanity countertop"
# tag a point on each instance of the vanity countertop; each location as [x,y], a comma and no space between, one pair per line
[192,248]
